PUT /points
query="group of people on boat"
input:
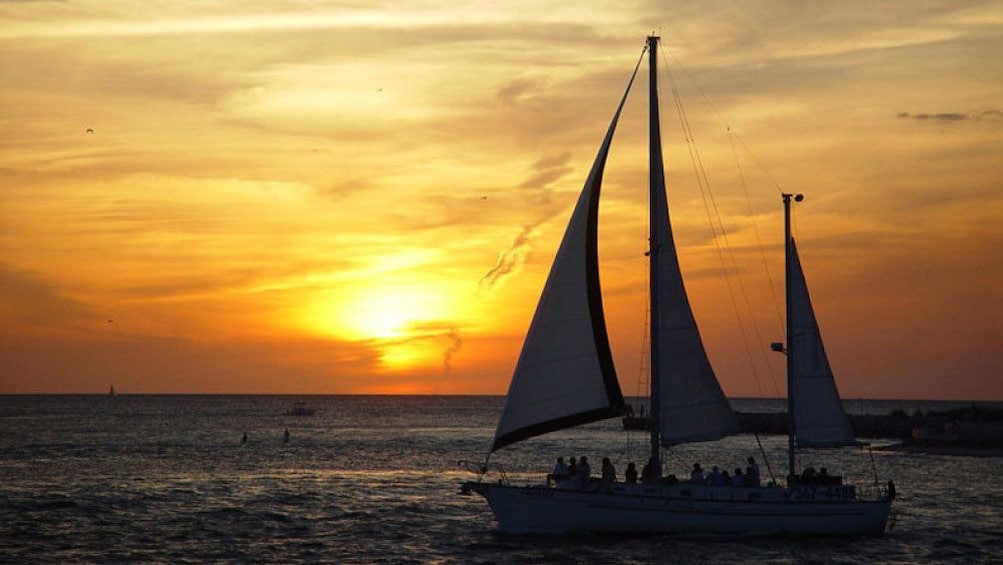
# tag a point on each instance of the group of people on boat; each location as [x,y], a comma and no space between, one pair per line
[718,478]
[579,473]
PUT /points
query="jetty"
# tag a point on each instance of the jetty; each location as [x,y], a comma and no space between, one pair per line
[971,426]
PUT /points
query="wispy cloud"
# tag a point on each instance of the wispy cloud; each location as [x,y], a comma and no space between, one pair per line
[512,92]
[987,116]
[511,260]
[28,298]
[547,171]
[455,344]
[544,173]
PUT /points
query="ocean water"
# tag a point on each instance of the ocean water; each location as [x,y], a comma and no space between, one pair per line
[376,480]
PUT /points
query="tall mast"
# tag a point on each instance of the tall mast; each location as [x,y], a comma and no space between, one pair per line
[656,181]
[788,265]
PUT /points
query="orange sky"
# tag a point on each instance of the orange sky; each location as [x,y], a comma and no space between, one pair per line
[291,197]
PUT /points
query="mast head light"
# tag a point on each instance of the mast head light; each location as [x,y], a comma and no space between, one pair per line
[798,197]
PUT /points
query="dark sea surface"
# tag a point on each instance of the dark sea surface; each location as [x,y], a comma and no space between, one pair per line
[374,479]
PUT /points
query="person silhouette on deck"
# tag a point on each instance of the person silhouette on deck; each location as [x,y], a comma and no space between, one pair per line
[630,475]
[608,472]
[752,473]
[715,478]
[808,476]
[584,472]
[560,472]
[696,475]
[648,472]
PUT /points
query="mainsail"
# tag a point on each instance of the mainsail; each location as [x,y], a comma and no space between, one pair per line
[690,403]
[565,375]
[819,419]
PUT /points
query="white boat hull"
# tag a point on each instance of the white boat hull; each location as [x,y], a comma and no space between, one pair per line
[682,509]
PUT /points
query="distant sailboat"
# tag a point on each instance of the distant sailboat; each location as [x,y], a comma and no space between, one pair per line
[111,391]
[565,377]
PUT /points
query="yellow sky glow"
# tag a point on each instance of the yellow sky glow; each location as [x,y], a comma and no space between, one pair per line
[278,198]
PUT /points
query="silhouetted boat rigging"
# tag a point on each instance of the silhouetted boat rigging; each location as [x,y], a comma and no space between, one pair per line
[565,377]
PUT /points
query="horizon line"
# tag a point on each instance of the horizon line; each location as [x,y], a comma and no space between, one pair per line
[290,394]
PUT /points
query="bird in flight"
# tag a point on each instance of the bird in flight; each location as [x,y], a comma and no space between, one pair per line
[89,130]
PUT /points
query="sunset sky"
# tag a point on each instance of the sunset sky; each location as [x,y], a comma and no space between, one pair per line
[365,197]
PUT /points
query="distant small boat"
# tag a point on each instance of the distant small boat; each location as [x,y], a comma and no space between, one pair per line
[636,421]
[640,423]
[300,409]
[111,392]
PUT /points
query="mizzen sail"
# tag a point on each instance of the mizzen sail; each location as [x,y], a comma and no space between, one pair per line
[819,419]
[565,376]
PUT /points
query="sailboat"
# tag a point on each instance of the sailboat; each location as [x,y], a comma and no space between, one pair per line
[111,391]
[565,377]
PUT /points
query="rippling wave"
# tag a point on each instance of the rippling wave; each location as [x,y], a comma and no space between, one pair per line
[374,479]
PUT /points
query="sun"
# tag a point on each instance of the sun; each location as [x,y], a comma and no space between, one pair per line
[386,313]
[401,320]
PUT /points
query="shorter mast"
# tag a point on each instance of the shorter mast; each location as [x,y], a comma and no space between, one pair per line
[788,292]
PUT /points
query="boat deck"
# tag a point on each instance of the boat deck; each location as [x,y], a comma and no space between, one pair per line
[687,508]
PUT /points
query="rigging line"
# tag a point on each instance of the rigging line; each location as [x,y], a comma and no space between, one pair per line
[766,458]
[759,164]
[732,136]
[641,381]
[762,253]
[725,123]
[641,368]
[644,368]
[755,230]
[874,465]
[731,254]
[704,184]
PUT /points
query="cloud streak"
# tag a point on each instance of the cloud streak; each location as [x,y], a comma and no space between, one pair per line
[26,298]
[985,116]
[545,172]
[511,260]
[447,356]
